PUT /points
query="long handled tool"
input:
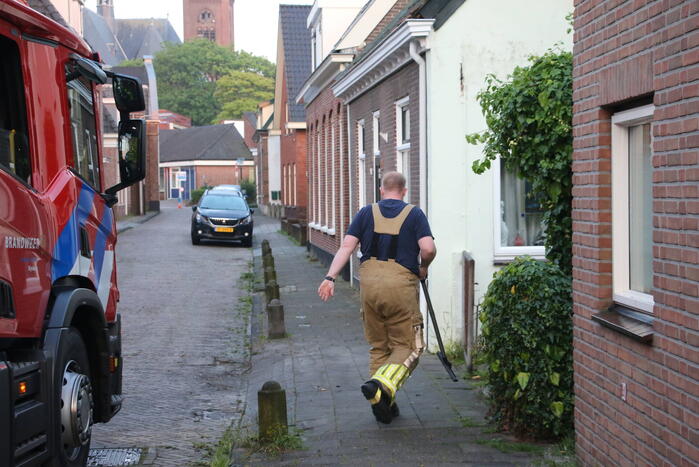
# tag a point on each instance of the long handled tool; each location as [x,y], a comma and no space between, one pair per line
[441,355]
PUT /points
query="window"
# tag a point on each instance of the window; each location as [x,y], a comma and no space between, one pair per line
[403,141]
[83,131]
[14,143]
[362,163]
[326,172]
[518,217]
[206,16]
[331,222]
[375,130]
[632,208]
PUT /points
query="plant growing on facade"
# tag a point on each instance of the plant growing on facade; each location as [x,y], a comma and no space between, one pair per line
[529,119]
[528,348]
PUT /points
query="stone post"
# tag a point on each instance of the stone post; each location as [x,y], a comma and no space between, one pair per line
[271,410]
[275,319]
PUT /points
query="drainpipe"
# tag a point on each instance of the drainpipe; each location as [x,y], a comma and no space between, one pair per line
[153,111]
[415,55]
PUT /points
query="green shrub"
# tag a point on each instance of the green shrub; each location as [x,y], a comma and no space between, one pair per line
[528,348]
[250,190]
[195,195]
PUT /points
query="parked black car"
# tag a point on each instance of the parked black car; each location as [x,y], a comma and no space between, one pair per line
[223,216]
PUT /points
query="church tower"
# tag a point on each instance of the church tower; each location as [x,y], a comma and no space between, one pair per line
[105,8]
[210,19]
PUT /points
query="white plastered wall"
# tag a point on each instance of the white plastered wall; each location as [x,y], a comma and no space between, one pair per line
[480,38]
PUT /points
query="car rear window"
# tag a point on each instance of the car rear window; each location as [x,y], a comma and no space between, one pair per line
[230,202]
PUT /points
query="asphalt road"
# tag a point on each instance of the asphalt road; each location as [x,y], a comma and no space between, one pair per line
[185,340]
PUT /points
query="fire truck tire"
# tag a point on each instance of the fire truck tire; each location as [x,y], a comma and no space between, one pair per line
[74,401]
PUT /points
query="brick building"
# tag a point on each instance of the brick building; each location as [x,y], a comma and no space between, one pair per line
[195,157]
[382,90]
[344,33]
[209,19]
[264,118]
[636,232]
[293,67]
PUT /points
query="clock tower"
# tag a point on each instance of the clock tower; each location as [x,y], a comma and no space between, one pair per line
[209,19]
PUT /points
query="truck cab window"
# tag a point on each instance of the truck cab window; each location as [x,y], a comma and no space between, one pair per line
[14,143]
[84,130]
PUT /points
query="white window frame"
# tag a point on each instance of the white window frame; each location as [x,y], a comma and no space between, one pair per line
[361,159]
[504,254]
[295,187]
[331,152]
[621,292]
[326,185]
[402,149]
[376,129]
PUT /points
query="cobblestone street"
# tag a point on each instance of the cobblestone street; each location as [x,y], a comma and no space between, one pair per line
[184,340]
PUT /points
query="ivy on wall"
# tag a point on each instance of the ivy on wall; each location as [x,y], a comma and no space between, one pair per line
[529,119]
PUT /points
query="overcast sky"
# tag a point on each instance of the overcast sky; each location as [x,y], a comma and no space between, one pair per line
[255,20]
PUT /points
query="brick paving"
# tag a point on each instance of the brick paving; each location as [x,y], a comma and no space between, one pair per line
[185,344]
[323,363]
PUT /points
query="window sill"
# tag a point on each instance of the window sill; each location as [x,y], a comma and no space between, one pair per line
[314,226]
[633,324]
[507,258]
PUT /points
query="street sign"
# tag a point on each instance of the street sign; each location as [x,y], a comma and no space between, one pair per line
[181,176]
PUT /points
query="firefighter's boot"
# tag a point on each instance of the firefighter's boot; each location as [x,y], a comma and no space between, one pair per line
[381,390]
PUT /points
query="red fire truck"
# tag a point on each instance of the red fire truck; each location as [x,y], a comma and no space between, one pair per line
[60,339]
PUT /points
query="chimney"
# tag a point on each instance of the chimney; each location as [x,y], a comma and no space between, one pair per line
[105,8]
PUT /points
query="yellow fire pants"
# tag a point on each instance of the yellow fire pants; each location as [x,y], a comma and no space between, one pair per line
[391,314]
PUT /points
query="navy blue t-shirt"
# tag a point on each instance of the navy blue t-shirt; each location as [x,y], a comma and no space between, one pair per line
[414,228]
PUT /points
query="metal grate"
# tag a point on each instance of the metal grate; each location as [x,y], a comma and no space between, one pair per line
[114,457]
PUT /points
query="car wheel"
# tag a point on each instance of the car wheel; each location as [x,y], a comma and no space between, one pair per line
[195,239]
[247,242]
[74,401]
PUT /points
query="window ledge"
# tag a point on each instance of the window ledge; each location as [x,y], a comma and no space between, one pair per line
[633,324]
[330,231]
[503,259]
[313,225]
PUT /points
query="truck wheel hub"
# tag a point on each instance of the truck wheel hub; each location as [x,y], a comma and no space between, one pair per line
[76,407]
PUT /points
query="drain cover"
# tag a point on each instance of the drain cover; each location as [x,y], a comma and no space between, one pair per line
[114,457]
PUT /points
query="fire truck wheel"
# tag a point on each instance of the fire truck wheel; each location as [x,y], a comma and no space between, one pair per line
[75,401]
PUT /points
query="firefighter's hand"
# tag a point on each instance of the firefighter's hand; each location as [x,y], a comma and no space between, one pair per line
[423,273]
[326,290]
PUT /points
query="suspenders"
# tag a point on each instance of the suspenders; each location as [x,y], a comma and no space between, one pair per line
[387,226]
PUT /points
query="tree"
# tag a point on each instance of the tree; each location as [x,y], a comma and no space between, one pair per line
[241,91]
[187,75]
[529,119]
[132,62]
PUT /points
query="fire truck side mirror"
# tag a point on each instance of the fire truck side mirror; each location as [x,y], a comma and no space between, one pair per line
[132,154]
[128,93]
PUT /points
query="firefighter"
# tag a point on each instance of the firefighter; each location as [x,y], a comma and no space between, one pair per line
[393,235]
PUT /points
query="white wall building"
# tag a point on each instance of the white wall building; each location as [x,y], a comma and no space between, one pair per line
[486,216]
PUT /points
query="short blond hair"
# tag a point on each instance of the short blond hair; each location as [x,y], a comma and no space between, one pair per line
[393,181]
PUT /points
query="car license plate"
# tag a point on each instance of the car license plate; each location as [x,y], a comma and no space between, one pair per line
[224,229]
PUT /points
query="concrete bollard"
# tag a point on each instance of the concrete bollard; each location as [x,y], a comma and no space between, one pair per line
[270,274]
[275,319]
[272,290]
[271,411]
[268,261]
[266,249]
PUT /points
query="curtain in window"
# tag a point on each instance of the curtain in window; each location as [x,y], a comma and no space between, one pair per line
[521,216]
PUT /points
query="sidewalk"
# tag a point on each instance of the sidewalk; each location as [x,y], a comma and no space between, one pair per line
[131,222]
[322,365]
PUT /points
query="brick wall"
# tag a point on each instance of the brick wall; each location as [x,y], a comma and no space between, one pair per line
[324,113]
[626,52]
[213,175]
[151,189]
[382,98]
[293,156]
[262,169]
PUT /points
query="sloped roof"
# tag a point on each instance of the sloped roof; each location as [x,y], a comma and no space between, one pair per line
[135,71]
[46,8]
[212,142]
[139,37]
[98,34]
[251,118]
[296,39]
